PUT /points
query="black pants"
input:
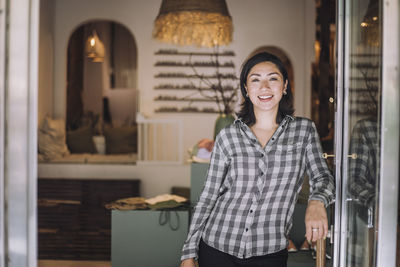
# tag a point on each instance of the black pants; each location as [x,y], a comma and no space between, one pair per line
[211,257]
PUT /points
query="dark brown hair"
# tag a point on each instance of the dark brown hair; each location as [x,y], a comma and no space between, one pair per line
[246,112]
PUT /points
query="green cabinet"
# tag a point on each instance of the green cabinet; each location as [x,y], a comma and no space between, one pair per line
[198,173]
[139,239]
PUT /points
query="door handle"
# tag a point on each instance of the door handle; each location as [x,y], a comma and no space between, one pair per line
[326,155]
[370,218]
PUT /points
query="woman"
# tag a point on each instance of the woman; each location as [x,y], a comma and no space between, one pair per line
[244,213]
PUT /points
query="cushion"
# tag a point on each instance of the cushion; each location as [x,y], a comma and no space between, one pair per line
[81,141]
[120,140]
[51,139]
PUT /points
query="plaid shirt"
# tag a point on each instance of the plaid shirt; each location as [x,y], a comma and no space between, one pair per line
[364,142]
[246,206]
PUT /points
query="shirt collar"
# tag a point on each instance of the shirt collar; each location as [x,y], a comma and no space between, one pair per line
[287,117]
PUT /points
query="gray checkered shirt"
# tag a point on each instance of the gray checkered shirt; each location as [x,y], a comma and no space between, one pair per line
[363,170]
[246,206]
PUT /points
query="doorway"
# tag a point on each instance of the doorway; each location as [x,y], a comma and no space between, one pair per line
[366,178]
[369,229]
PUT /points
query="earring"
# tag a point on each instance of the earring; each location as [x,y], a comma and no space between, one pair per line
[247,95]
[284,93]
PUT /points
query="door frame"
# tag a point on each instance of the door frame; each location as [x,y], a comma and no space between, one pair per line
[18,130]
[389,153]
[389,164]
[2,123]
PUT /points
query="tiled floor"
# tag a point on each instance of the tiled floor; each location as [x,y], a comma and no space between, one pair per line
[54,263]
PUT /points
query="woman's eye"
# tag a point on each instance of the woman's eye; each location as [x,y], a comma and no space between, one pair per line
[255,80]
[273,79]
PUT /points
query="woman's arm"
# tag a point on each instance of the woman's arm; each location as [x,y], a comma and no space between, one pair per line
[215,175]
[322,188]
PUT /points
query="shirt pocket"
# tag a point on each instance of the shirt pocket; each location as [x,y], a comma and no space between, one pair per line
[287,159]
[287,150]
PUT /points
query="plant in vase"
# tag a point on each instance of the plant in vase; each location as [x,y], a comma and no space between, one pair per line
[220,87]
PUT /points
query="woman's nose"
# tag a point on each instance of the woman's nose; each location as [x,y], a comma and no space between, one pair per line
[264,84]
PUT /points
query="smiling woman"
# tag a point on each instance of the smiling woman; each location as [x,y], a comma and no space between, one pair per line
[264,154]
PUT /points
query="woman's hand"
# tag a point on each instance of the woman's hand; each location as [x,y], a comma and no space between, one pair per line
[188,263]
[316,221]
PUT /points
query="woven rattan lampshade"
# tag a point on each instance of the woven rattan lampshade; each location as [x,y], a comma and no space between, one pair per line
[194,22]
[94,48]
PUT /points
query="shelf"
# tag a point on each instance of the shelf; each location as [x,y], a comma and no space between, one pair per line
[369,79]
[188,87]
[228,76]
[365,66]
[176,52]
[366,55]
[194,64]
[363,90]
[187,111]
[185,100]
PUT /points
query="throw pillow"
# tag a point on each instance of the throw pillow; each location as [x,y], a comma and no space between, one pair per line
[51,139]
[81,141]
[121,140]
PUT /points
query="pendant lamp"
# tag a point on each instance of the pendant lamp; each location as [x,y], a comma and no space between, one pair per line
[94,48]
[194,22]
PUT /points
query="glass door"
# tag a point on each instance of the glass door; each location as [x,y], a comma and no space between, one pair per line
[361,130]
[363,61]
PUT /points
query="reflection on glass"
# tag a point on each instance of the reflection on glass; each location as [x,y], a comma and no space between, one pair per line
[364,127]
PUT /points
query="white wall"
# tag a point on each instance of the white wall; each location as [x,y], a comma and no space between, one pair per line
[287,24]
[46,56]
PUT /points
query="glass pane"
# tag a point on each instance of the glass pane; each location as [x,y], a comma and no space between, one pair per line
[364,79]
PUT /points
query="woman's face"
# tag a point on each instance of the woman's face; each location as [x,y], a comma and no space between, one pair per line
[265,86]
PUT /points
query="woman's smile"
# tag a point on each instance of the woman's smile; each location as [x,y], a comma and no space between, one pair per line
[265,98]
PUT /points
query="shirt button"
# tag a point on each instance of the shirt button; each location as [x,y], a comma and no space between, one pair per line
[247,229]
[273,138]
[251,211]
[261,155]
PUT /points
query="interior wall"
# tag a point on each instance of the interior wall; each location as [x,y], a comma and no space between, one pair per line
[286,24]
[124,58]
[46,56]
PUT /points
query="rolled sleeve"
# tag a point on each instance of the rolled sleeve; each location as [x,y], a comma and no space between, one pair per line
[322,185]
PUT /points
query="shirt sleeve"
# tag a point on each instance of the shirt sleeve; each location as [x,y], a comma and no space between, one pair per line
[322,185]
[215,175]
[361,169]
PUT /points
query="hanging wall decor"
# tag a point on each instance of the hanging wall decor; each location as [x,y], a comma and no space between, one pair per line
[195,82]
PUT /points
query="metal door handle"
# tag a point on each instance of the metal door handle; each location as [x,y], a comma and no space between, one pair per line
[326,155]
[370,218]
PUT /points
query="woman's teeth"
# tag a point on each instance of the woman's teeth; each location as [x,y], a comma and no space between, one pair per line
[265,97]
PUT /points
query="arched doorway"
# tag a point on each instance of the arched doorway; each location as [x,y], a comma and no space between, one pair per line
[101,80]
